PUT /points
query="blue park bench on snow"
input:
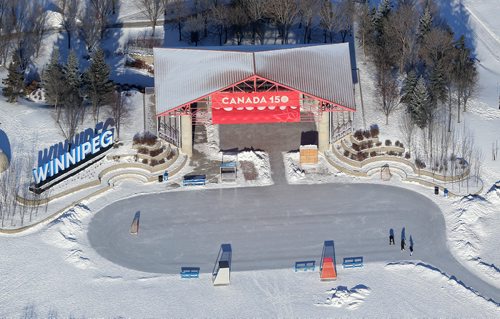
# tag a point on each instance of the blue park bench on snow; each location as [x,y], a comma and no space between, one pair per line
[305,265]
[194,180]
[352,262]
[190,272]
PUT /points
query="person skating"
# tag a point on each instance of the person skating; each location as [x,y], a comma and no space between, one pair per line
[411,250]
[403,244]
[391,237]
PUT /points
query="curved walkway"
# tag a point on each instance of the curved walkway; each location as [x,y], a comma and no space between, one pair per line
[272,227]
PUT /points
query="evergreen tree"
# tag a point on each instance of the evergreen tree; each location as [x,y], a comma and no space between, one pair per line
[409,84]
[425,23]
[437,85]
[419,107]
[54,82]
[14,83]
[98,86]
[72,73]
[72,96]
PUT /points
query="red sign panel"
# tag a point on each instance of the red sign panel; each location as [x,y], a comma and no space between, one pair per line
[260,107]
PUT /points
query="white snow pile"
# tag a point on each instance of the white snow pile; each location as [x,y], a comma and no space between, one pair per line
[472,225]
[65,232]
[262,165]
[292,167]
[37,96]
[344,297]
[484,110]
[433,274]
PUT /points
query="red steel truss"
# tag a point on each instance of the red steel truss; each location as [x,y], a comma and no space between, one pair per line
[312,107]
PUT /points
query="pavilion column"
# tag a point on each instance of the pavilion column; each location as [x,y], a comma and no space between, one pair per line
[324,132]
[187,135]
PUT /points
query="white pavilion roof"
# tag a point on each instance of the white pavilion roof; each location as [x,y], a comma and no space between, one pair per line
[186,75]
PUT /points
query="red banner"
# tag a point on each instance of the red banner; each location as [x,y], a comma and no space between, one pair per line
[261,107]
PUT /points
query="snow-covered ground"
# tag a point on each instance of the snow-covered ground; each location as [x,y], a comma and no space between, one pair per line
[56,270]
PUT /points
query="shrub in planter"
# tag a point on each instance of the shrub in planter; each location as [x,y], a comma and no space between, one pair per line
[407,155]
[378,144]
[400,154]
[358,135]
[401,145]
[396,143]
[356,147]
[388,143]
[153,162]
[419,163]
[370,144]
[144,161]
[346,153]
[374,131]
[353,157]
[392,153]
[366,134]
[142,150]
[161,161]
[146,138]
[361,156]
[154,153]
[373,154]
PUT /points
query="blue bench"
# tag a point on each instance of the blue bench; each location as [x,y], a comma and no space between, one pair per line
[190,272]
[305,265]
[190,180]
[353,262]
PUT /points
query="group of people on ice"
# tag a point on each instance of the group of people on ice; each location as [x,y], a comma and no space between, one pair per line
[403,240]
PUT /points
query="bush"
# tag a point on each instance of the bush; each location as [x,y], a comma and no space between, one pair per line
[378,144]
[366,134]
[154,153]
[392,153]
[346,153]
[407,155]
[374,131]
[388,143]
[144,161]
[358,135]
[419,163]
[370,144]
[361,156]
[373,154]
[161,161]
[400,153]
[145,138]
[356,147]
[142,150]
[153,162]
[396,143]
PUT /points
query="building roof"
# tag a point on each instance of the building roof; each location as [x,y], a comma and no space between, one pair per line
[185,75]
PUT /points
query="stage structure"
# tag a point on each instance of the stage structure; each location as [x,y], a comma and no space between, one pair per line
[253,84]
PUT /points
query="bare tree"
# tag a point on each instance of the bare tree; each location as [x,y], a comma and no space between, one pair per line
[256,12]
[221,20]
[402,27]
[90,28]
[118,111]
[69,12]
[388,92]
[102,9]
[193,28]
[308,12]
[327,20]
[364,25]
[343,17]
[152,10]
[238,20]
[180,12]
[407,129]
[283,13]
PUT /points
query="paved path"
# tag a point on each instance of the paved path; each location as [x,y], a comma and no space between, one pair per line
[272,227]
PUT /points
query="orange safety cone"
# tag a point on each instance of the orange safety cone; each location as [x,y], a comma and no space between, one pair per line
[328,269]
